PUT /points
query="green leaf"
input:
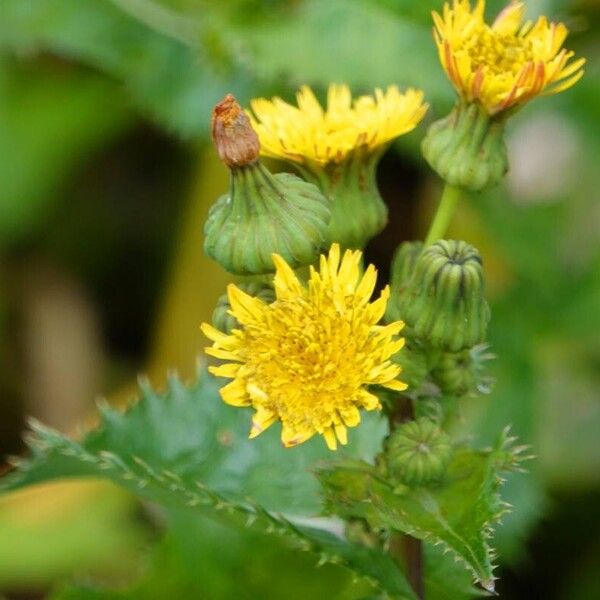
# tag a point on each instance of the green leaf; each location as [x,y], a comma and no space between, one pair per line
[458,514]
[49,121]
[50,532]
[445,579]
[186,448]
[175,83]
[227,555]
[191,434]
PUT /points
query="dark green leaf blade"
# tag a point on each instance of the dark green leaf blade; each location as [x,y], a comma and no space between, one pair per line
[458,514]
[190,432]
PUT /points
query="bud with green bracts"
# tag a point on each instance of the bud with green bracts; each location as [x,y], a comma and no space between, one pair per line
[417,452]
[467,148]
[263,214]
[463,373]
[358,212]
[403,264]
[444,305]
[414,362]
[223,320]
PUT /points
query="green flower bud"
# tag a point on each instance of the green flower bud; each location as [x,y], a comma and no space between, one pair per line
[418,452]
[467,148]
[263,214]
[413,360]
[443,305]
[403,264]
[463,373]
[358,211]
[223,320]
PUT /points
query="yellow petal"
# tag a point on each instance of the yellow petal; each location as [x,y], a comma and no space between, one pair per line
[244,307]
[330,438]
[261,421]
[234,393]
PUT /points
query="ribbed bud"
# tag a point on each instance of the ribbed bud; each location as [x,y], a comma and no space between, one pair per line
[226,322]
[263,214]
[358,211]
[413,360]
[418,452]
[467,148]
[444,304]
[464,373]
[403,264]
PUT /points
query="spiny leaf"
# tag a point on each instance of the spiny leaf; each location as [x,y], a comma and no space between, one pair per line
[458,514]
[55,455]
[189,432]
[187,448]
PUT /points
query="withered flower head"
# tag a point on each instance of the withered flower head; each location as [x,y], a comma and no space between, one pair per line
[234,138]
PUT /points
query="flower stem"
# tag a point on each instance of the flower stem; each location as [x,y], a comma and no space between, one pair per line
[405,549]
[444,214]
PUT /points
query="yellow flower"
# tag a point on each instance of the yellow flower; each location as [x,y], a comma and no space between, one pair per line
[307,358]
[505,64]
[309,134]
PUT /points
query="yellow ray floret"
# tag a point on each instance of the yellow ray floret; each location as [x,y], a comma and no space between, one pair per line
[310,134]
[307,358]
[504,64]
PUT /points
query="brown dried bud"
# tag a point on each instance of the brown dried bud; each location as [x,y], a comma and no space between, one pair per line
[234,138]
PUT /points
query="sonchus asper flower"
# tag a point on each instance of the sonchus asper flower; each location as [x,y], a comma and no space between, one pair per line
[338,147]
[495,69]
[507,63]
[308,358]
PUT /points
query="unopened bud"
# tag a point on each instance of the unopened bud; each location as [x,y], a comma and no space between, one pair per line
[236,142]
[444,305]
[403,265]
[418,452]
[464,373]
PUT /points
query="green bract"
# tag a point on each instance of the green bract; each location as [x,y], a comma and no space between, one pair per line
[418,452]
[358,212]
[265,214]
[467,148]
[443,304]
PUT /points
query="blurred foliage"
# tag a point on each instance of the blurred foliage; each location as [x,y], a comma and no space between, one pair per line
[66,518]
[75,77]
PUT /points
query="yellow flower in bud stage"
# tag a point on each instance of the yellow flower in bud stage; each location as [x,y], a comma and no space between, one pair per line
[338,148]
[308,357]
[506,64]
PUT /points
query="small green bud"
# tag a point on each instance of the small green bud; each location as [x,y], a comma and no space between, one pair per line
[413,360]
[263,214]
[467,148]
[223,320]
[444,304]
[463,373]
[358,211]
[403,264]
[418,452]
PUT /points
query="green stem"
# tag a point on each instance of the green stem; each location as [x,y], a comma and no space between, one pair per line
[444,214]
[406,550]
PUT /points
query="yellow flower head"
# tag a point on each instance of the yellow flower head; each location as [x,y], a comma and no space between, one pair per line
[307,358]
[505,64]
[309,134]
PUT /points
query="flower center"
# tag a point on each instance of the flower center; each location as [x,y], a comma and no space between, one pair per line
[498,53]
[309,360]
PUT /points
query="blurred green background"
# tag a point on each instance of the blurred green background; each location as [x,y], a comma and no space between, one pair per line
[106,174]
